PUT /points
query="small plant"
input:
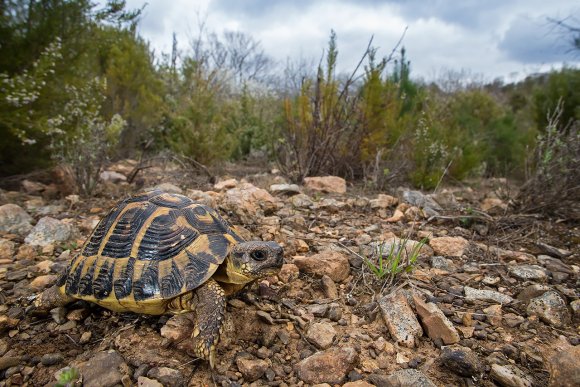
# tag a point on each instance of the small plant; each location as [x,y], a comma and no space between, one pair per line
[396,261]
[68,377]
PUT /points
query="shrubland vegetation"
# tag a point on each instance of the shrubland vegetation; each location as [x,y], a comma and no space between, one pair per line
[79,86]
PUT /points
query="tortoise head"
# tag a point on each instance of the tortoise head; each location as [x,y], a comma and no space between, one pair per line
[252,260]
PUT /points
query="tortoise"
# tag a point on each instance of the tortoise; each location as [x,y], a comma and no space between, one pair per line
[163,253]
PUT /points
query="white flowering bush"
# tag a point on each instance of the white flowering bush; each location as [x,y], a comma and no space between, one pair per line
[81,137]
[19,92]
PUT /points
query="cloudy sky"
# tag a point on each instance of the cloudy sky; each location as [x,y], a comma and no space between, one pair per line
[484,38]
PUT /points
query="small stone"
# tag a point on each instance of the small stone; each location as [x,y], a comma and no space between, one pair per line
[143,381]
[528,272]
[493,315]
[405,378]
[472,294]
[50,359]
[329,287]
[383,201]
[321,335]
[252,369]
[43,281]
[575,306]
[329,366]
[285,189]
[358,383]
[59,315]
[332,184]
[7,249]
[461,360]
[509,376]
[331,263]
[334,312]
[532,291]
[550,307]
[169,377]
[14,220]
[397,216]
[436,324]
[318,310]
[400,319]
[85,337]
[9,361]
[565,367]
[112,177]
[449,246]
[225,184]
[426,202]
[441,263]
[49,230]
[288,272]
[67,326]
[104,369]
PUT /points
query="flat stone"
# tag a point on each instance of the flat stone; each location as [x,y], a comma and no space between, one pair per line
[400,319]
[509,376]
[48,231]
[461,360]
[493,315]
[321,335]
[288,272]
[49,359]
[43,281]
[472,294]
[168,187]
[449,246]
[301,201]
[104,369]
[564,367]
[426,202]
[332,184]
[167,376]
[532,291]
[9,361]
[143,381]
[551,308]
[329,287]
[225,184]
[7,249]
[331,263]
[528,272]
[14,220]
[285,189]
[358,383]
[405,378]
[383,201]
[329,366]
[436,324]
[252,369]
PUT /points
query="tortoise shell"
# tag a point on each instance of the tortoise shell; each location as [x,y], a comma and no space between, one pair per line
[150,247]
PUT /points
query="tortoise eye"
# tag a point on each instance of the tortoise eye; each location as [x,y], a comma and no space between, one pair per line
[258,255]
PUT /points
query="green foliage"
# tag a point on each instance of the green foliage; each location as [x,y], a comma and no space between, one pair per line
[69,377]
[560,88]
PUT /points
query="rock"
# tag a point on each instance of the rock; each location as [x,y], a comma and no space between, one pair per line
[472,294]
[301,201]
[252,369]
[43,281]
[461,360]
[403,378]
[332,184]
[449,246]
[329,287]
[331,263]
[285,189]
[575,306]
[441,263]
[554,251]
[207,198]
[400,319]
[9,361]
[177,328]
[7,249]
[564,368]
[14,220]
[509,376]
[532,291]
[167,376]
[49,230]
[321,335]
[358,383]
[436,324]
[85,337]
[225,184]
[112,177]
[426,202]
[248,202]
[512,320]
[555,264]
[143,381]
[398,216]
[329,366]
[288,272]
[393,246]
[383,201]
[550,307]
[493,315]
[33,187]
[334,312]
[59,315]
[104,369]
[168,187]
[493,203]
[49,359]
[528,272]
[331,205]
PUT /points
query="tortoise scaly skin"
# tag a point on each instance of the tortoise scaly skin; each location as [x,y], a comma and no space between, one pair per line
[158,253]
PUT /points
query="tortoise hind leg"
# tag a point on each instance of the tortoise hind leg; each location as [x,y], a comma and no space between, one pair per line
[208,303]
[49,299]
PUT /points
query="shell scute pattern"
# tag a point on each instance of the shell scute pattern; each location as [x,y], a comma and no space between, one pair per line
[151,246]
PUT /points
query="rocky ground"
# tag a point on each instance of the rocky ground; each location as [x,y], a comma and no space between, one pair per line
[491,300]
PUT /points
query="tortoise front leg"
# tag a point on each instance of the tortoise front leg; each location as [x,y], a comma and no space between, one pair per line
[208,303]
